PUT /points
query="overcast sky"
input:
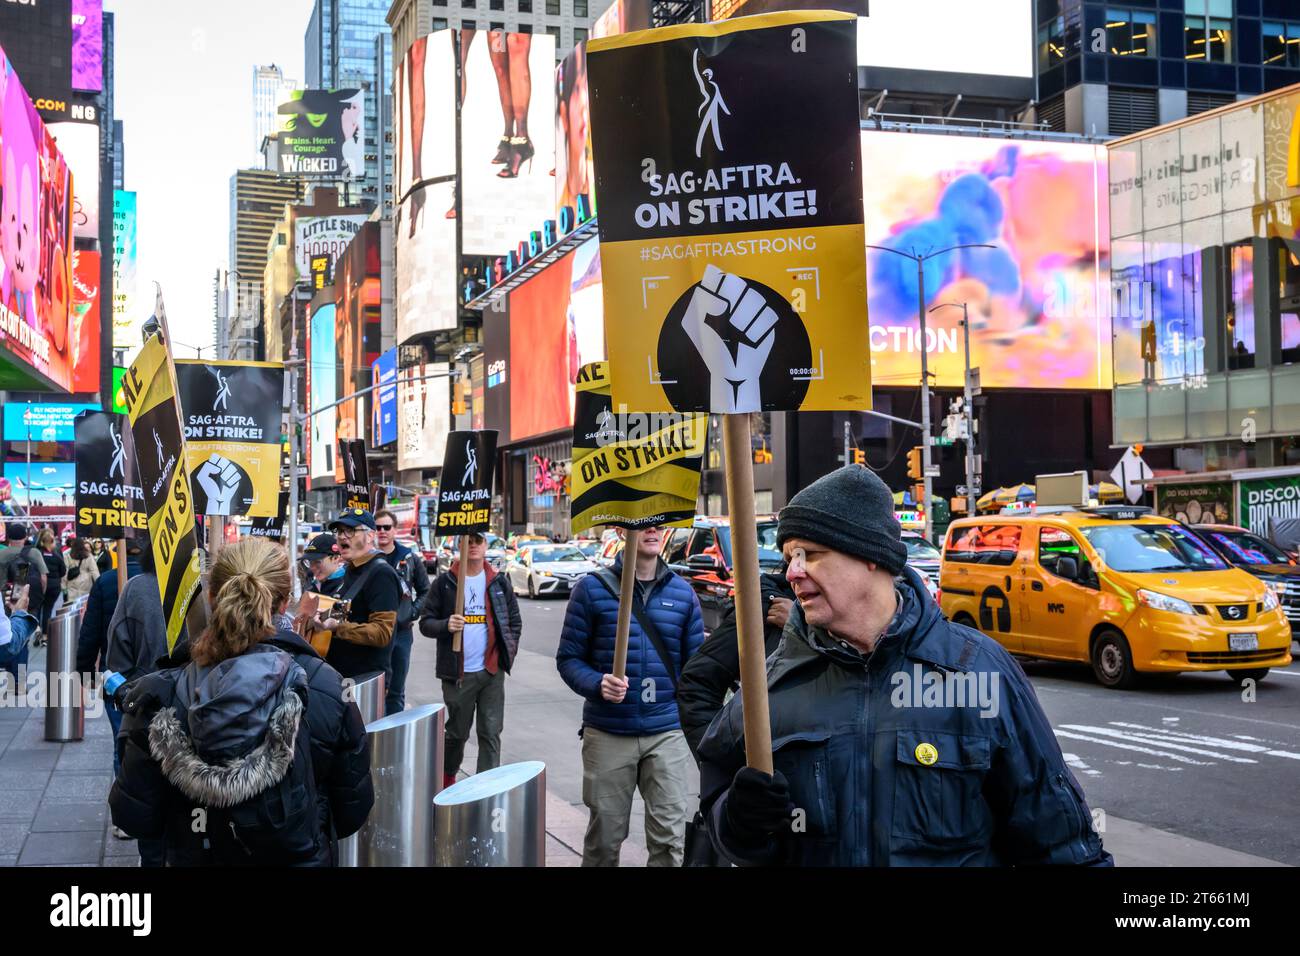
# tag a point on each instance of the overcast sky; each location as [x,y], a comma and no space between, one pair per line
[184,89]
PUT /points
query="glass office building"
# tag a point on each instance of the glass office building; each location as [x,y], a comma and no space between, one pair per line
[1205,285]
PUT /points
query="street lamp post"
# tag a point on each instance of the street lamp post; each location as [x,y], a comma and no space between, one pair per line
[919,259]
[967,407]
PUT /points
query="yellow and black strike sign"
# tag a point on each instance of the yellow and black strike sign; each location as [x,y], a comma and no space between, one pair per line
[465,486]
[234,416]
[632,470]
[150,391]
[110,502]
[731,241]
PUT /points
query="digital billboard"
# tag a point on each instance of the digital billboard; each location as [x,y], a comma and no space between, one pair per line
[573,167]
[42,483]
[328,236]
[424,414]
[1037,298]
[124,271]
[424,90]
[322,390]
[35,244]
[88,45]
[79,143]
[426,268]
[322,133]
[43,58]
[556,325]
[86,320]
[44,422]
[383,374]
[507,138]
[357,327]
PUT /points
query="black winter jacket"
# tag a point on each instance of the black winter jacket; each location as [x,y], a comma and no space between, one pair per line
[144,803]
[92,639]
[715,667]
[439,605]
[886,774]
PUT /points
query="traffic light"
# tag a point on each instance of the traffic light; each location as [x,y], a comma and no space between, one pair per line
[914,464]
[859,456]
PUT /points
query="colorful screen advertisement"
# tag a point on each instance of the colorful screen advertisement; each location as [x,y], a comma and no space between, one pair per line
[507,138]
[573,166]
[36,201]
[322,133]
[43,483]
[424,414]
[426,269]
[42,422]
[88,45]
[424,90]
[322,390]
[86,320]
[556,326]
[328,236]
[79,143]
[1037,297]
[384,375]
[357,327]
[125,319]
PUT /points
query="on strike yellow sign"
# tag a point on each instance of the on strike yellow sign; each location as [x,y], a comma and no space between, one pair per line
[729,173]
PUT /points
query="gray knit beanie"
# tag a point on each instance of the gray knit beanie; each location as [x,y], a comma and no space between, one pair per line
[850,510]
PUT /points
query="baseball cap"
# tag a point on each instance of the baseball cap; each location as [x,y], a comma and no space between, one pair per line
[321,546]
[15,531]
[353,518]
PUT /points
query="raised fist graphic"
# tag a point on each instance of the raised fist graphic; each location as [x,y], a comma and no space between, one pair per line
[735,356]
[219,479]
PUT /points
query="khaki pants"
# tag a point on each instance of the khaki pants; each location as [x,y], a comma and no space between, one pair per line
[486,694]
[613,766]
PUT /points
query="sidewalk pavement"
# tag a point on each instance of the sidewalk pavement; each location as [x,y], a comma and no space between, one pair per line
[54,811]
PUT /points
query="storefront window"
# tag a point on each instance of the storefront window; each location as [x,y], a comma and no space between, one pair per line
[1282,44]
[1207,30]
[1289,300]
[1239,326]
[1130,32]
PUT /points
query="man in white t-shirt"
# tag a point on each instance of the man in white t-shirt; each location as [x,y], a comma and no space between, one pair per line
[473,678]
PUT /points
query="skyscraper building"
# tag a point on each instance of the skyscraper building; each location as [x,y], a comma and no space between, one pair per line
[270,88]
[257,200]
[339,52]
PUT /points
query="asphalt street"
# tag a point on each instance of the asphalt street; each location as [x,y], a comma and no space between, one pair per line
[1184,769]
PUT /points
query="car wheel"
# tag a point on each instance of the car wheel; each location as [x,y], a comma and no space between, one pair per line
[1112,661]
[966,620]
[1256,674]
[532,588]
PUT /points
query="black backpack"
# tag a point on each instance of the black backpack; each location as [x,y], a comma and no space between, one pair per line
[279,826]
[22,561]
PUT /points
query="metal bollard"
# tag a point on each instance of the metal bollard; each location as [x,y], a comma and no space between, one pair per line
[406,770]
[494,818]
[65,709]
[368,693]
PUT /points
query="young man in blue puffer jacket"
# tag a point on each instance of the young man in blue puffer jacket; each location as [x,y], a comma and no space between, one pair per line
[631,736]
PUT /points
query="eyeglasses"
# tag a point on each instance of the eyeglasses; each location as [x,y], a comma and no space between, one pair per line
[383,527]
[344,534]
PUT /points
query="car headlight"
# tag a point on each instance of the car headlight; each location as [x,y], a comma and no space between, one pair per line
[1270,599]
[546,574]
[1163,602]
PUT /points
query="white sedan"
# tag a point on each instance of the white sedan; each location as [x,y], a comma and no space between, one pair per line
[548,569]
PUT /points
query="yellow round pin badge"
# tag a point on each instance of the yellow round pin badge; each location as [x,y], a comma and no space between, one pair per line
[926,754]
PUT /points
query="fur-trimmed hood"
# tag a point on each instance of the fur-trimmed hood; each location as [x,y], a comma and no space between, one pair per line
[242,716]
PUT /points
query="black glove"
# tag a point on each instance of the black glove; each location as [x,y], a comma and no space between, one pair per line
[758,806]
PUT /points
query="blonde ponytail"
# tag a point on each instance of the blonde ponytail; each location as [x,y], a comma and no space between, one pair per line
[249,582]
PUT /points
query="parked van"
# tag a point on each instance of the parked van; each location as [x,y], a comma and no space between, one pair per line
[1114,586]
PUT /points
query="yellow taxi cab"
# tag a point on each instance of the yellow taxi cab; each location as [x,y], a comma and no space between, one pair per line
[1116,587]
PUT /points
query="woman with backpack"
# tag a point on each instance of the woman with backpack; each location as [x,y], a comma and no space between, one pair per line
[55,569]
[248,754]
[83,570]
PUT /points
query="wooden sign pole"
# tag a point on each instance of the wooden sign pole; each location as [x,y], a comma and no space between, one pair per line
[749,604]
[457,639]
[626,584]
[120,545]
